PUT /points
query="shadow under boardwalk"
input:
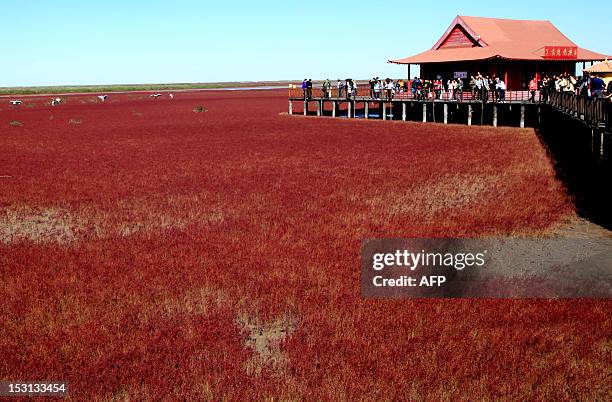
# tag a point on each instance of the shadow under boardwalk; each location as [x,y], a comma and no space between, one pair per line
[575,149]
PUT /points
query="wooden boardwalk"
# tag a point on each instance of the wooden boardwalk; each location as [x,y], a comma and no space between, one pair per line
[595,113]
[438,110]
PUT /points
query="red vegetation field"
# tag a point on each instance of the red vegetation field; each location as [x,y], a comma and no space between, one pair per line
[148,250]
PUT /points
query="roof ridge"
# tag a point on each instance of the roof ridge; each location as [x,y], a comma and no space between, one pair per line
[502,19]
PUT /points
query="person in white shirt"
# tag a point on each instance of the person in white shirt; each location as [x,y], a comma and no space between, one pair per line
[377,89]
[500,85]
[390,86]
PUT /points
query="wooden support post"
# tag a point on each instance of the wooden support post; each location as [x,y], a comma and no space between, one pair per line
[601,144]
[384,110]
[290,107]
[305,107]
[334,105]
[367,109]
[446,113]
[403,111]
[349,109]
[482,107]
[522,116]
[354,109]
[424,112]
[469,115]
[494,115]
[319,108]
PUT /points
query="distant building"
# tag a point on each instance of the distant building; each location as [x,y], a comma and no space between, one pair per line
[514,50]
[603,69]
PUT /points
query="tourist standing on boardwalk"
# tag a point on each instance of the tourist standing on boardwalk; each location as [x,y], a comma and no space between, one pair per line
[372,82]
[340,87]
[452,89]
[479,86]
[309,88]
[348,86]
[413,87]
[438,88]
[305,88]
[327,89]
[377,89]
[583,86]
[472,85]
[597,86]
[389,89]
[533,87]
[493,88]
[501,90]
[487,88]
[544,89]
[609,90]
[459,89]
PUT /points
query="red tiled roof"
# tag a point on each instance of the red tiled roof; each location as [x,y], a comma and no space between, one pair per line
[503,38]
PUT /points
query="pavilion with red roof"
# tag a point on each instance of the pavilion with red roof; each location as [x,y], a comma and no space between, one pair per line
[514,50]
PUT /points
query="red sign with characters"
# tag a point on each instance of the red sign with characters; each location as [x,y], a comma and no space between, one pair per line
[560,52]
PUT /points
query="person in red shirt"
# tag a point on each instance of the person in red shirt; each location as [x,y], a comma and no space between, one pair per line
[533,87]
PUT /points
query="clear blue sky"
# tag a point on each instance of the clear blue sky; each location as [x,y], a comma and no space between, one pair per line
[58,42]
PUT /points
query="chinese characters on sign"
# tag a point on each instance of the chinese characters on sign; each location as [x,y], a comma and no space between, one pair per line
[560,52]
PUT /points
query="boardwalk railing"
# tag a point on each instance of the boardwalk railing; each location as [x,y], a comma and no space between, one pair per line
[364,91]
[594,111]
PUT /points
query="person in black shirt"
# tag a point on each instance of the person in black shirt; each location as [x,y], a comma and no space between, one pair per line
[309,88]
